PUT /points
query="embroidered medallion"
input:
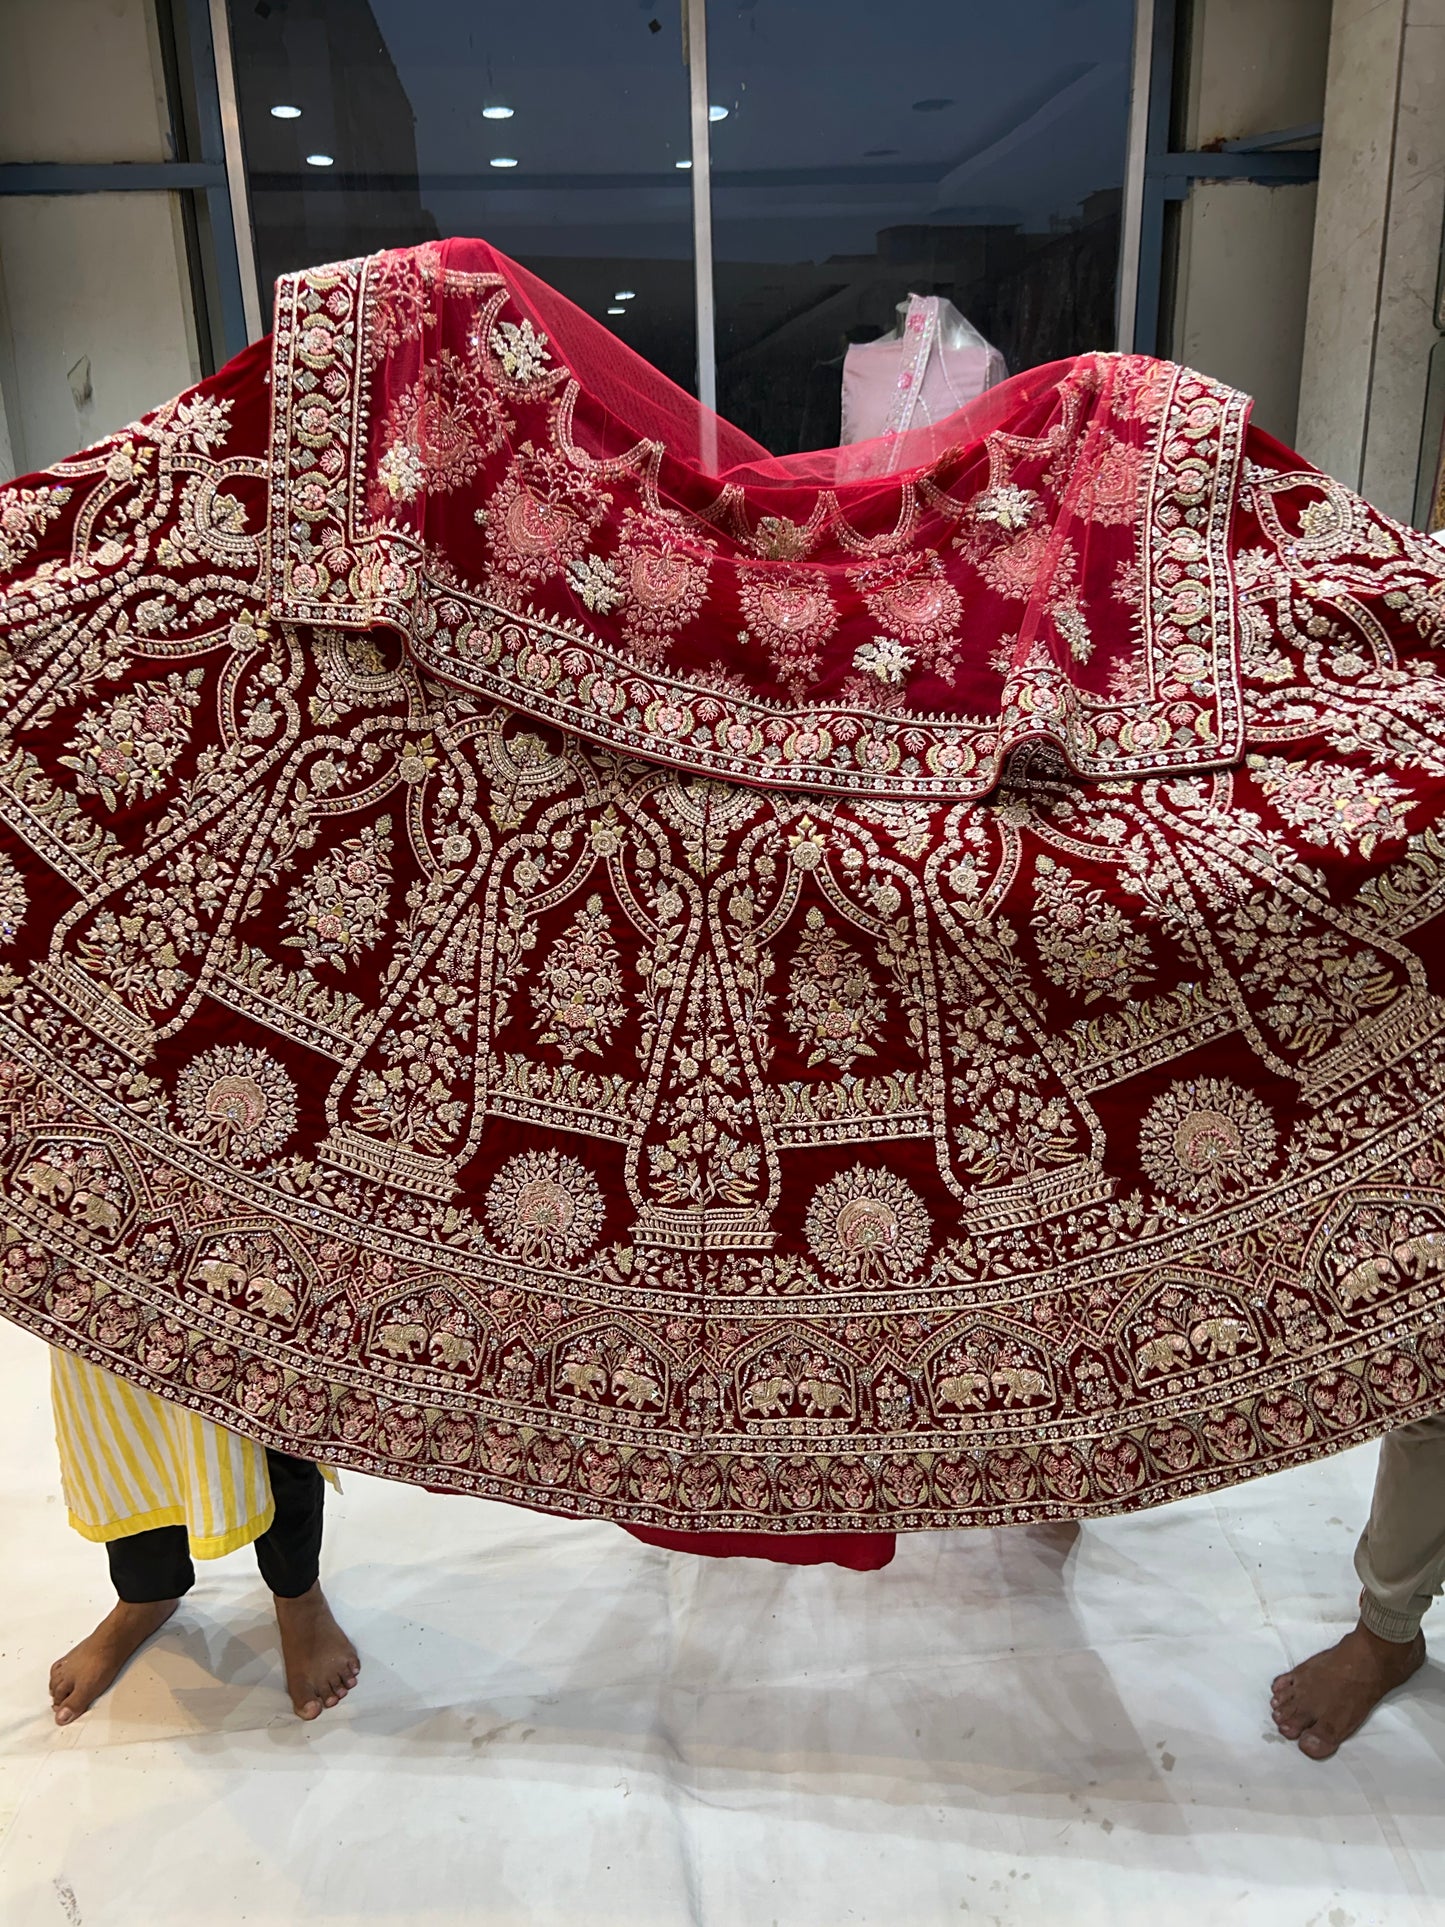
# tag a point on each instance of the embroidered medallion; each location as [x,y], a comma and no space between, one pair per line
[1200,1141]
[237,1101]
[545,1208]
[868,1225]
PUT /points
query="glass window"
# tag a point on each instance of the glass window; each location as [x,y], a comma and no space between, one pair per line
[861,153]
[973,152]
[553,131]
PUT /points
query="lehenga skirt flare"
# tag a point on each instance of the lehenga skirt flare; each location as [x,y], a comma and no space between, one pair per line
[548,954]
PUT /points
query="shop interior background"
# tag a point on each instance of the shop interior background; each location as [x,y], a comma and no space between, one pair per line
[1182,176]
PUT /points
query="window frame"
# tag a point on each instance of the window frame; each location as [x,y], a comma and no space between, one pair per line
[209,172]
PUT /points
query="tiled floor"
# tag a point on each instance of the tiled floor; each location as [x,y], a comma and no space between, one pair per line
[557,1725]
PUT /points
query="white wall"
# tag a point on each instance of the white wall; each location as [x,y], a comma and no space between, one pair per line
[96,317]
[1377,253]
[98,308]
[80,81]
[1255,67]
[1244,266]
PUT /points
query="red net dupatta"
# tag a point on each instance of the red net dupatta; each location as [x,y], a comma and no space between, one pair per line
[460,453]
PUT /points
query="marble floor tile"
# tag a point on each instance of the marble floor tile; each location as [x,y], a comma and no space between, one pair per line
[558,1727]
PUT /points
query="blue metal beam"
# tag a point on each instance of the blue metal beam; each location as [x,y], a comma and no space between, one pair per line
[1282,137]
[109,177]
[1269,169]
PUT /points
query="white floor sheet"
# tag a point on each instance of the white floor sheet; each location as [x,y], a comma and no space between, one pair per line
[558,1725]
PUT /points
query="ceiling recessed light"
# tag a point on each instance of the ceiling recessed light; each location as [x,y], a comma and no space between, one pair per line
[320,160]
[617,311]
[624,294]
[717,113]
[285,113]
[503,160]
[682,163]
[497,113]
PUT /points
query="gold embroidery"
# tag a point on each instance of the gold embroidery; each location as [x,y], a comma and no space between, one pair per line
[921,1141]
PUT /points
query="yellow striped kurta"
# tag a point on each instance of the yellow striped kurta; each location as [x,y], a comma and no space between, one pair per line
[130,1461]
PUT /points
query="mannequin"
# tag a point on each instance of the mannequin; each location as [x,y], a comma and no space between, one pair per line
[932,363]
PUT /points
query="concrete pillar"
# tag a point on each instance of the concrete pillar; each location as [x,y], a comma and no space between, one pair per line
[1370,327]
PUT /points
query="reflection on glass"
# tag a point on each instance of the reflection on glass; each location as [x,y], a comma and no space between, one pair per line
[968,152]
[554,131]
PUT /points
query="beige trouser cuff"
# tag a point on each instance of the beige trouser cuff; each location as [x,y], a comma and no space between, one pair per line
[1401,1554]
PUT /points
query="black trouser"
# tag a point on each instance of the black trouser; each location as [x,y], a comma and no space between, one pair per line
[157,1565]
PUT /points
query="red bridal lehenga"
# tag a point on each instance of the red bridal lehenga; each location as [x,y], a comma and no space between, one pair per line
[549,954]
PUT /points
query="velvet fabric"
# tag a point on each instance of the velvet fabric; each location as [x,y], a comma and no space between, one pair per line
[553,955]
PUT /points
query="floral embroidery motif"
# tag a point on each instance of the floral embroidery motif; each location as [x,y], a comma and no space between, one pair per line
[884,658]
[339,911]
[439,431]
[595,580]
[833,1006]
[1007,506]
[522,351]
[707,1153]
[869,1226]
[915,600]
[545,1207]
[127,748]
[578,993]
[25,514]
[1115,478]
[238,1102]
[792,615]
[1331,804]
[1016,569]
[1086,944]
[666,585]
[194,425]
[1204,1139]
[402,471]
[541,518]
[213,527]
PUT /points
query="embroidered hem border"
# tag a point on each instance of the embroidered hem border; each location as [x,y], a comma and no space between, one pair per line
[1237,1422]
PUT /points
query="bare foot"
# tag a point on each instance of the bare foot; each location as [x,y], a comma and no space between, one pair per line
[1330,1696]
[321,1662]
[88,1669]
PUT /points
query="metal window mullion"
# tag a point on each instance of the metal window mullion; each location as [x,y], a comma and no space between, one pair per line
[1158,140]
[1131,237]
[209,45]
[232,153]
[695,50]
